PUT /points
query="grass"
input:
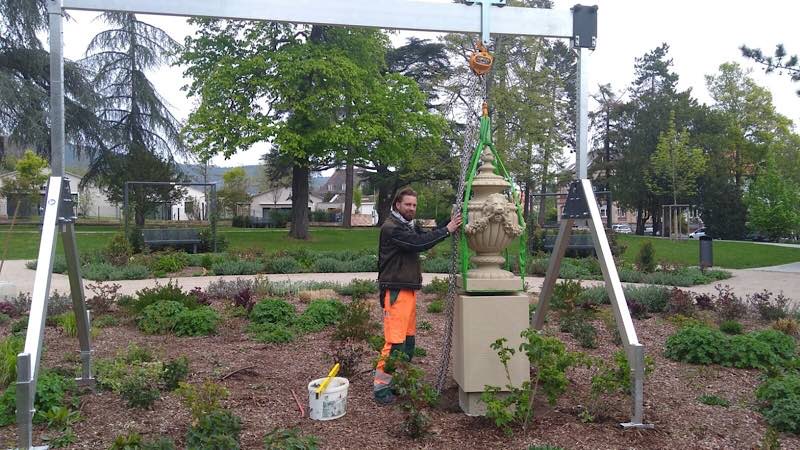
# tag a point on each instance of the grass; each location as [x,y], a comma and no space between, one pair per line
[727,254]
[23,243]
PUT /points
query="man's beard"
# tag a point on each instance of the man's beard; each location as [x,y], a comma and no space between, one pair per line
[407,216]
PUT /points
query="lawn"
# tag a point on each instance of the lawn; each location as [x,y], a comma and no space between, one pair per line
[727,254]
[24,243]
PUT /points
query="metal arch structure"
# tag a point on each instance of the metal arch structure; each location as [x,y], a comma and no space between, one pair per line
[474,16]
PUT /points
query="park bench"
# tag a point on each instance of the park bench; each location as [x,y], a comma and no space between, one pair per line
[579,244]
[172,237]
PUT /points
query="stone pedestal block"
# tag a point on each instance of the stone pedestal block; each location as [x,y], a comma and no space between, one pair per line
[480,320]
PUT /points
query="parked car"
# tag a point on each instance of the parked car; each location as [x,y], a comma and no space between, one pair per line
[697,233]
[648,229]
[622,228]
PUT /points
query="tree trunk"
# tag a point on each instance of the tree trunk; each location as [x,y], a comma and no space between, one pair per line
[386,191]
[299,228]
[347,213]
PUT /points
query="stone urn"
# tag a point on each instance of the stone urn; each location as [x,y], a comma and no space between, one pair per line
[492,223]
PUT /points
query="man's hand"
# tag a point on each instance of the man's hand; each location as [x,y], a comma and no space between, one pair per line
[455,223]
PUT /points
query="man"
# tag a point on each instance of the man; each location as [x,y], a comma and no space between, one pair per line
[399,277]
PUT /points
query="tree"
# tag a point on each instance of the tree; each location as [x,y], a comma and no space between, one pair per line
[773,204]
[24,189]
[675,167]
[145,134]
[234,190]
[86,201]
[25,84]
[790,65]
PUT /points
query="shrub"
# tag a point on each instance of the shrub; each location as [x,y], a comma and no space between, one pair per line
[10,347]
[134,441]
[68,323]
[118,250]
[201,321]
[328,265]
[52,390]
[160,317]
[99,271]
[780,402]
[637,310]
[713,400]
[566,295]
[436,265]
[238,267]
[284,264]
[550,357]
[131,272]
[729,306]
[270,333]
[139,390]
[245,299]
[201,399]
[704,302]
[283,439]
[646,258]
[654,299]
[319,314]
[787,326]
[349,353]
[105,295]
[780,344]
[414,396]
[217,430]
[274,311]
[769,309]
[200,296]
[355,322]
[436,306]
[174,372]
[585,333]
[592,297]
[59,264]
[358,288]
[438,286]
[376,342]
[424,325]
[207,241]
[680,302]
[696,345]
[59,303]
[169,262]
[168,292]
[730,327]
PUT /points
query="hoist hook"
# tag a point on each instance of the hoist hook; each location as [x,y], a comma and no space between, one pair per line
[481,60]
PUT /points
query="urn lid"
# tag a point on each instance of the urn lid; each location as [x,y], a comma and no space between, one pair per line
[486,175]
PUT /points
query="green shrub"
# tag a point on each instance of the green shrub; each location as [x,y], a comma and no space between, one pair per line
[376,342]
[118,250]
[99,271]
[366,263]
[328,265]
[319,314]
[274,311]
[696,345]
[436,306]
[424,325]
[653,298]
[586,334]
[730,327]
[780,402]
[170,262]
[780,344]
[438,286]
[160,317]
[168,292]
[237,267]
[139,390]
[593,296]
[270,333]
[52,390]
[627,275]
[218,430]
[4,318]
[356,322]
[646,258]
[68,323]
[436,265]
[10,347]
[566,294]
[284,264]
[174,372]
[283,439]
[713,400]
[201,321]
[202,399]
[207,241]
[358,288]
[136,361]
[744,351]
[414,396]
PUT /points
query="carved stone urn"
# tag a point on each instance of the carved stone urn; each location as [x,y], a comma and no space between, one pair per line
[492,223]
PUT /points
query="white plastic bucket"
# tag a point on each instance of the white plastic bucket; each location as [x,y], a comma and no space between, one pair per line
[330,404]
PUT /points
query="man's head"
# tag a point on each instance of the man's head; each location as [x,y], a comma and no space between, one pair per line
[405,203]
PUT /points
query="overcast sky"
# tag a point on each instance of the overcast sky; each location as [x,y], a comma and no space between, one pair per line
[702,34]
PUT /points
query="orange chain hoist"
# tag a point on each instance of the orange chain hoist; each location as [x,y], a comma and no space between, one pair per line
[481,60]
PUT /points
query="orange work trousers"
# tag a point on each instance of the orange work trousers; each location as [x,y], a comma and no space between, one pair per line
[399,322]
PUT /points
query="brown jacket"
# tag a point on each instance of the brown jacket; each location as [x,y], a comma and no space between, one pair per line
[398,253]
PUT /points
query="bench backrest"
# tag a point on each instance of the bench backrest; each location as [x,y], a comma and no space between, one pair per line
[171,234]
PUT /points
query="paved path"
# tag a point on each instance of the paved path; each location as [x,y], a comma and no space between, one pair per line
[785,278]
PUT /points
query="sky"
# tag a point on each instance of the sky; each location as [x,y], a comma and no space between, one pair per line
[702,34]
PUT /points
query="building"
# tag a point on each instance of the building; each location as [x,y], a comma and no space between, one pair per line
[90,201]
[262,204]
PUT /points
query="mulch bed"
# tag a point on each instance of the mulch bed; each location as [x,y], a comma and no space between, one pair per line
[261,396]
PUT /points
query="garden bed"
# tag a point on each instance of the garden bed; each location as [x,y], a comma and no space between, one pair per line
[261,377]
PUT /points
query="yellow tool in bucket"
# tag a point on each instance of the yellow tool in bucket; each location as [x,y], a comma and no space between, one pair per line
[327,381]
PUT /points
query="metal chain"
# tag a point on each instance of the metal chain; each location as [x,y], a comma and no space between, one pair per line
[470,140]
